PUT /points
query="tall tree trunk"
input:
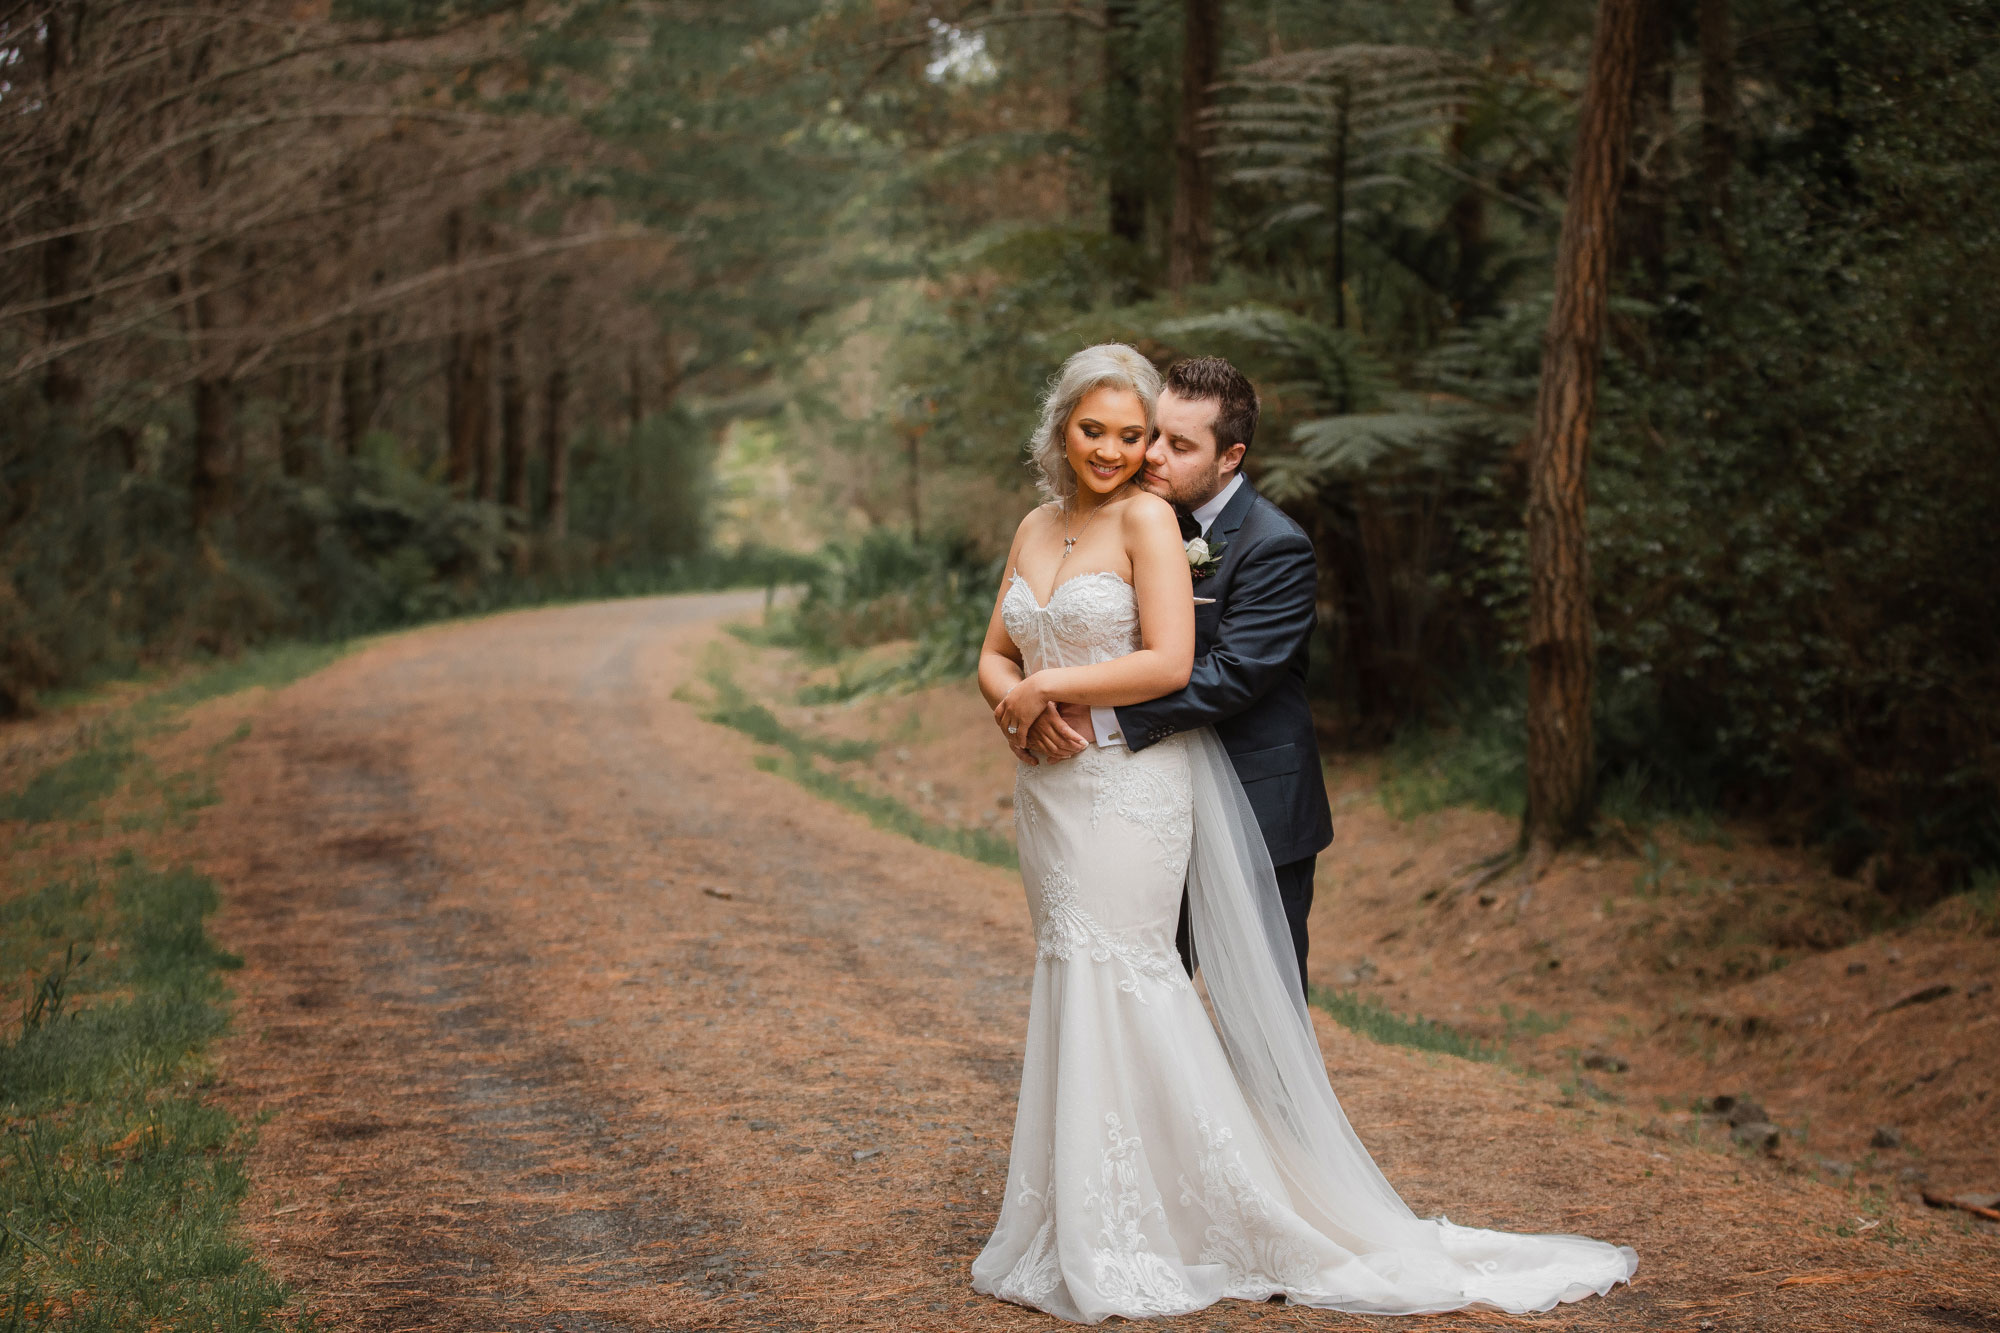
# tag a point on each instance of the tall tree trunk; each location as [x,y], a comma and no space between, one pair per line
[1718,110]
[513,424]
[1339,276]
[358,393]
[673,368]
[1125,178]
[1079,188]
[482,445]
[1465,219]
[469,390]
[298,397]
[211,485]
[468,355]
[555,452]
[1561,638]
[1190,240]
[1642,218]
[214,431]
[63,319]
[635,394]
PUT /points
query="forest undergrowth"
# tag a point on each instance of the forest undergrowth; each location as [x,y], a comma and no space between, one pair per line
[120,1180]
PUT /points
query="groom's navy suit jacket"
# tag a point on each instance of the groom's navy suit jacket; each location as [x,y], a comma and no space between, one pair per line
[1249,680]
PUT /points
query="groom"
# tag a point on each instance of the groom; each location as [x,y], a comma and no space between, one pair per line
[1251,636]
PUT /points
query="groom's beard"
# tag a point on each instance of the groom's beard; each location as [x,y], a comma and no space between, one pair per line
[1188,496]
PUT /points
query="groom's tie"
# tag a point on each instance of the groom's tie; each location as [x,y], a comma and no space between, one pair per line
[1190,529]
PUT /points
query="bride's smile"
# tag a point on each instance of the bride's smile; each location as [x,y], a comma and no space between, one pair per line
[1106,441]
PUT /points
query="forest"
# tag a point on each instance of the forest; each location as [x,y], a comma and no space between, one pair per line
[327,316]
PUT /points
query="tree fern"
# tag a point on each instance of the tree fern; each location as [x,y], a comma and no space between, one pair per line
[1340,122]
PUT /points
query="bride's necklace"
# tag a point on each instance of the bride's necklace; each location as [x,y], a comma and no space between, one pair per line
[1069,542]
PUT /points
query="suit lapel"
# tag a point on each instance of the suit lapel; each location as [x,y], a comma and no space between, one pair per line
[1208,617]
[1233,513]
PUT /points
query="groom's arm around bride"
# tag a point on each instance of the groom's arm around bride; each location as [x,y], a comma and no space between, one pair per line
[1252,639]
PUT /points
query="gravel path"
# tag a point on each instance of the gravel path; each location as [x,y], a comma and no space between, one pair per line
[567,1017]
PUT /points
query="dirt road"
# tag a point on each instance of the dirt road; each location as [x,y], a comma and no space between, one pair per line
[567,1017]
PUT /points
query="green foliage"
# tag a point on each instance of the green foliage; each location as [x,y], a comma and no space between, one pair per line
[68,788]
[885,812]
[647,499]
[119,1186]
[1310,366]
[37,923]
[1481,763]
[1529,1022]
[1372,1020]
[1337,123]
[1978,906]
[1791,492]
[885,587]
[1792,512]
[735,709]
[106,571]
[271,668]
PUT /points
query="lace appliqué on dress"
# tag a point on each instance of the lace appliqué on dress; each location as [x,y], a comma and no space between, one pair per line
[1027,805]
[1244,1234]
[1068,930]
[1088,618]
[1129,1272]
[1038,1272]
[1161,802]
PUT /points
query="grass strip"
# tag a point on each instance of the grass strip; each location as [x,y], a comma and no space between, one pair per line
[737,711]
[734,709]
[271,667]
[885,812]
[1366,1017]
[70,788]
[73,785]
[118,1185]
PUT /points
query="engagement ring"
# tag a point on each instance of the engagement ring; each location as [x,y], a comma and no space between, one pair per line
[1012,730]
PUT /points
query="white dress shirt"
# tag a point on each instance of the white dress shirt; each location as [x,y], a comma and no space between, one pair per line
[1104,721]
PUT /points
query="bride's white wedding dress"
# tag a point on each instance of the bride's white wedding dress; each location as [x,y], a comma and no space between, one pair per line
[1162,1161]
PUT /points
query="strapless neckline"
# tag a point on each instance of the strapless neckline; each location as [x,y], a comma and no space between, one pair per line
[1056,591]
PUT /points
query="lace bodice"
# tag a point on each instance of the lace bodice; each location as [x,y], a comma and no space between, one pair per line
[1088,618]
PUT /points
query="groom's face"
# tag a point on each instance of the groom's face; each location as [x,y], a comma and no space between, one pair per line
[1182,463]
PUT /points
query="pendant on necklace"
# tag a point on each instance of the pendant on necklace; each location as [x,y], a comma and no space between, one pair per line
[1069,544]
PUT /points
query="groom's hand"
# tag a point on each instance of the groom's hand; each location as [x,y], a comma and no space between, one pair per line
[1053,737]
[1078,718]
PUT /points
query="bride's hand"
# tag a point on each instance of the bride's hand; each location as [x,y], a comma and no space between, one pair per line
[1018,709]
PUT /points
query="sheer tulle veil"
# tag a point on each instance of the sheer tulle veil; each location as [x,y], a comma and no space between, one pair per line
[1243,949]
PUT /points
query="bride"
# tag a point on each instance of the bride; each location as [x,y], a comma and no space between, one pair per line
[1162,1161]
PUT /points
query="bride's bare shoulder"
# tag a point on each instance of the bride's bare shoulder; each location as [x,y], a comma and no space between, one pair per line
[1035,522]
[1040,516]
[1143,511]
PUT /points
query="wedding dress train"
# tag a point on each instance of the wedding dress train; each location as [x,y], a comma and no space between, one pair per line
[1162,1161]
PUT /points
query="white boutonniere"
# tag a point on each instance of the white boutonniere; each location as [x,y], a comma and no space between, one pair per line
[1202,557]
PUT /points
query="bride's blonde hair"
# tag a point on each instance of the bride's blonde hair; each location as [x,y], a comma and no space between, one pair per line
[1107,365]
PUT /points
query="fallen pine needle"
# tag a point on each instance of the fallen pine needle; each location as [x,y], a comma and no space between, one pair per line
[1839,1276]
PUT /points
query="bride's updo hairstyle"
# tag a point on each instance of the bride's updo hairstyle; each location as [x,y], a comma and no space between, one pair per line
[1105,366]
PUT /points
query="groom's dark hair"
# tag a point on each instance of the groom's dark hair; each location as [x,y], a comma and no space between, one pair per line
[1210,379]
